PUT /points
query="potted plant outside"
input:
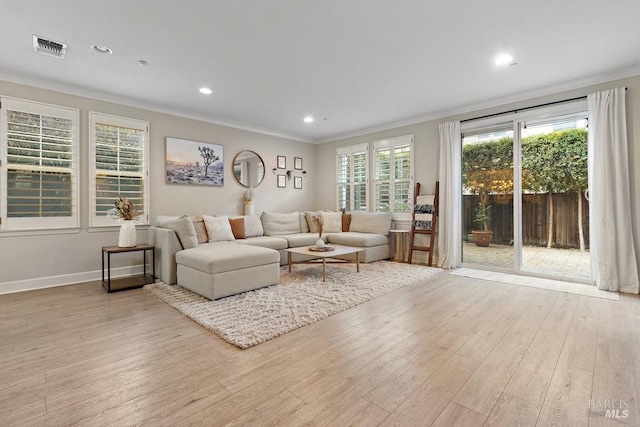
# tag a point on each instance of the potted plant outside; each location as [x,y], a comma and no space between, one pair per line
[483,236]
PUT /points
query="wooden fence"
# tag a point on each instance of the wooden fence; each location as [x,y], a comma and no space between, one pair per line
[535,218]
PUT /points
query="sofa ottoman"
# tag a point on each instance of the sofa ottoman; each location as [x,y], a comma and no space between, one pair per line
[216,270]
[377,245]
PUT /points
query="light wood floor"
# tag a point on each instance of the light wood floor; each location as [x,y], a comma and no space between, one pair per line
[455,351]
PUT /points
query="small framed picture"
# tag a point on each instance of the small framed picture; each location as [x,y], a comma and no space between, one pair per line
[297,182]
[282,162]
[282,181]
[297,163]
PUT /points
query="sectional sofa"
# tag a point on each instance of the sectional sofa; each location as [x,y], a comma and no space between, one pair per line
[218,256]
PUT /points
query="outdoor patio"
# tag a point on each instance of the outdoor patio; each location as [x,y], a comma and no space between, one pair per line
[538,259]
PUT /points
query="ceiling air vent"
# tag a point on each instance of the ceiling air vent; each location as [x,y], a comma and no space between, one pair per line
[49,47]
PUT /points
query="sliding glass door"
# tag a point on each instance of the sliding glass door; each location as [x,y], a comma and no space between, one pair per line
[554,208]
[524,196]
[487,197]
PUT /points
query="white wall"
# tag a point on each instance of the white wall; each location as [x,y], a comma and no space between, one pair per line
[31,261]
[47,260]
[427,144]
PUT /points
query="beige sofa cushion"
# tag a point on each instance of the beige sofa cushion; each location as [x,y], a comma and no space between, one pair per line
[277,243]
[219,257]
[301,239]
[304,226]
[183,227]
[279,223]
[360,240]
[370,222]
[253,226]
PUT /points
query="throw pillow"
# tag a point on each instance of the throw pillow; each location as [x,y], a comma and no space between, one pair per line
[253,226]
[280,223]
[369,222]
[311,221]
[201,230]
[304,226]
[218,228]
[346,222]
[332,222]
[237,228]
[183,228]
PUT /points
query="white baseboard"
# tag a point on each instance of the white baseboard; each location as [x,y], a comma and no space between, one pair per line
[66,279]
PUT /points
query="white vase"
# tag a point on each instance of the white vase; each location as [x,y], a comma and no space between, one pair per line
[248,208]
[127,237]
[320,243]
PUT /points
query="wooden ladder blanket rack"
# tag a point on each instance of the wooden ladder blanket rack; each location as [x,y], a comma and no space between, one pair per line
[424,220]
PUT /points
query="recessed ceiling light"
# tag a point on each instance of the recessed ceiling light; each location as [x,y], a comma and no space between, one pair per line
[101,49]
[503,59]
[206,91]
[308,119]
[142,62]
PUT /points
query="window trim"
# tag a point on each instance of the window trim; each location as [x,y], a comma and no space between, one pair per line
[28,224]
[95,118]
[392,143]
[351,150]
[370,148]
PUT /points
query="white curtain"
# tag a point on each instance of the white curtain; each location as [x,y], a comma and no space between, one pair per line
[613,254]
[450,176]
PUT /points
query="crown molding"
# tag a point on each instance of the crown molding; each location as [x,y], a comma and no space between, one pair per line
[75,90]
[554,89]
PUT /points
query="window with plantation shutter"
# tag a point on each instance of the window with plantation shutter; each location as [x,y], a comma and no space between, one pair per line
[39,166]
[393,176]
[119,153]
[352,177]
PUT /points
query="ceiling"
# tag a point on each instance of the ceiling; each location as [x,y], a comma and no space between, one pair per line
[354,65]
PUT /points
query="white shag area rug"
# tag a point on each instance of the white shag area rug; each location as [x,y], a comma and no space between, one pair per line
[538,282]
[300,299]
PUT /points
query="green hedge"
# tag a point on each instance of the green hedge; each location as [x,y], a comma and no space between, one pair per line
[555,162]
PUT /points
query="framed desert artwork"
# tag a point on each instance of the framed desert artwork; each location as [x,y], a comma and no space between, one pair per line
[193,162]
[282,181]
[297,182]
[297,163]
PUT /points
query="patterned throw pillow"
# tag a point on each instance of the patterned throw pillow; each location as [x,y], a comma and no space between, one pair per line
[201,230]
[218,228]
[332,222]
[311,221]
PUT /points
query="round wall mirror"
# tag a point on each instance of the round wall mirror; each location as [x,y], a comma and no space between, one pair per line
[248,168]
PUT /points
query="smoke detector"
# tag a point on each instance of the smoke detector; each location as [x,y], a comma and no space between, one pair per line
[49,47]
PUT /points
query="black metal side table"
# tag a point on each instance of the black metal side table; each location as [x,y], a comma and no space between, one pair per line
[130,282]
